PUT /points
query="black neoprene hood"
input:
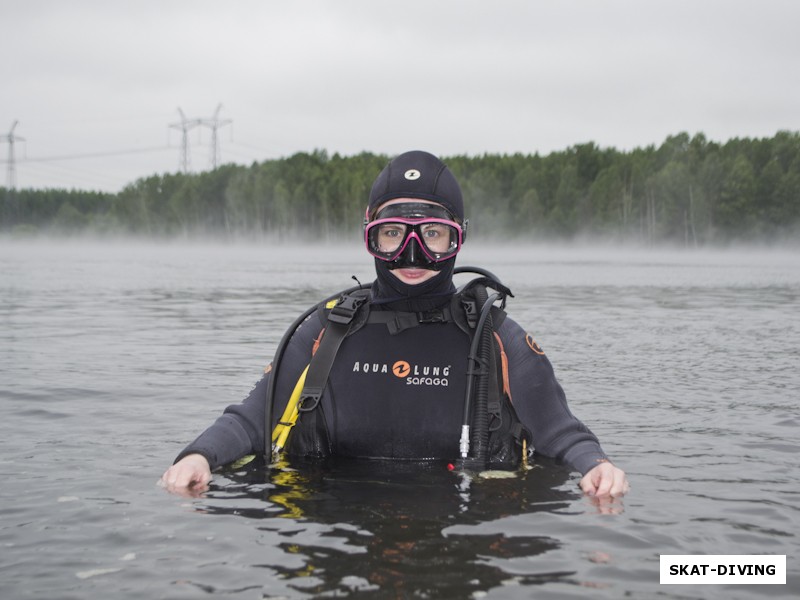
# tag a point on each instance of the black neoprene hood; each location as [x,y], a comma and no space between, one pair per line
[418,174]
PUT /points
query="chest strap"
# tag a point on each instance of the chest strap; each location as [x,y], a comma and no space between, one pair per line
[397,321]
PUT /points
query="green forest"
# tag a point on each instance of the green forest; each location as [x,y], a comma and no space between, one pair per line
[688,190]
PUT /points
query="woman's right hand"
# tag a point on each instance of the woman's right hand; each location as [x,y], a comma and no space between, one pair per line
[187,477]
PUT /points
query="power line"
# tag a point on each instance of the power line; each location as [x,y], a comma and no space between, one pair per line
[184,125]
[68,174]
[90,154]
[33,166]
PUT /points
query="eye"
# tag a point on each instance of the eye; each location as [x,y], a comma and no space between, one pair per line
[393,232]
[432,231]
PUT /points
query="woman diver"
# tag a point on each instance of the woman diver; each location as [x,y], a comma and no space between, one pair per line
[388,372]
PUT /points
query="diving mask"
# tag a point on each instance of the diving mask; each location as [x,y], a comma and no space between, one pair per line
[413,234]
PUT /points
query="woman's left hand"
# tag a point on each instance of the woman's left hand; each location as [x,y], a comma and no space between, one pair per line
[605,480]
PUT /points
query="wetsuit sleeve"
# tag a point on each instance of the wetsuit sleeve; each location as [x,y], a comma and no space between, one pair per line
[541,403]
[240,429]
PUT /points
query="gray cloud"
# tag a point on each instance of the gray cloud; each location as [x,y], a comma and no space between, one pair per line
[452,76]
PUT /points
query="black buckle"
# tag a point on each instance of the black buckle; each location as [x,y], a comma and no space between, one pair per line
[470,312]
[401,322]
[345,310]
[495,415]
[431,316]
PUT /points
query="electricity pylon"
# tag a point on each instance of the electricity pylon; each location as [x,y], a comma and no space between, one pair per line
[11,173]
[185,125]
[215,123]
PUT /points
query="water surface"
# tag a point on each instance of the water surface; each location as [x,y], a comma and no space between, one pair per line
[114,356]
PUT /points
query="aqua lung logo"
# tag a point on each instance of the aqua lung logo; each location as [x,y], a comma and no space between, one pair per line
[413,374]
[401,369]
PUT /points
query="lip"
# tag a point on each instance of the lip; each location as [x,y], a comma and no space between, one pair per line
[413,275]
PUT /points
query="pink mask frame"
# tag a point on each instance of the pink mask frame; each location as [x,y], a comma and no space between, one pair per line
[414,225]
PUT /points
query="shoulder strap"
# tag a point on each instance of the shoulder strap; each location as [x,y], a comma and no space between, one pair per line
[340,319]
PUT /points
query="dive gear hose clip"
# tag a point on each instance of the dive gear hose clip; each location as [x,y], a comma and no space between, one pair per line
[312,394]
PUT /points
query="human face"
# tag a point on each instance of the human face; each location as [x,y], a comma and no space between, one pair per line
[413,239]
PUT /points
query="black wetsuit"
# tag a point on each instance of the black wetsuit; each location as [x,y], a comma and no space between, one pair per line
[401,396]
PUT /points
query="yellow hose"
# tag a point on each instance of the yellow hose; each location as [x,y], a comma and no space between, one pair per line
[289,416]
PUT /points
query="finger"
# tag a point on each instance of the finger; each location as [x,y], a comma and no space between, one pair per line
[605,484]
[168,478]
[621,485]
[177,477]
[201,479]
[588,485]
[188,478]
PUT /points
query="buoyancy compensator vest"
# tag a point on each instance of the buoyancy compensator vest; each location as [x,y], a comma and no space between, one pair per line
[401,390]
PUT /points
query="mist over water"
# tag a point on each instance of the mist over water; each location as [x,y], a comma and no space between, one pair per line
[114,355]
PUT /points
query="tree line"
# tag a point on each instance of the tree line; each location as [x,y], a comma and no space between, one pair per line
[688,190]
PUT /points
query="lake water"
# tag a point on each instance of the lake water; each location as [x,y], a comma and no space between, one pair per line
[114,356]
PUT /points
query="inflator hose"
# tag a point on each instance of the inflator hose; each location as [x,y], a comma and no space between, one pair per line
[480,411]
[477,412]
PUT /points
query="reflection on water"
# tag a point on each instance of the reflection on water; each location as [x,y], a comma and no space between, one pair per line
[408,529]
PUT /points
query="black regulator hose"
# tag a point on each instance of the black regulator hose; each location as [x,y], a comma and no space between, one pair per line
[478,270]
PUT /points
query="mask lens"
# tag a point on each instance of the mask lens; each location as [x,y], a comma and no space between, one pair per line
[389,237]
[439,239]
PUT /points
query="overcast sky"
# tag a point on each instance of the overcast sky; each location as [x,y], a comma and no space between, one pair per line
[95,85]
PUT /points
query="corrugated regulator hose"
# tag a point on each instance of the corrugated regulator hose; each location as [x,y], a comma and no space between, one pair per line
[477,412]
